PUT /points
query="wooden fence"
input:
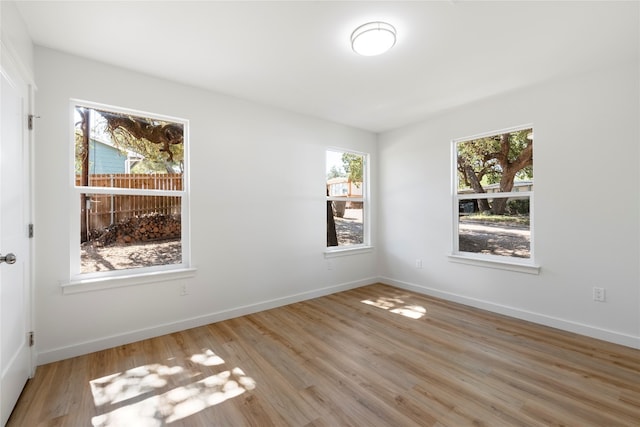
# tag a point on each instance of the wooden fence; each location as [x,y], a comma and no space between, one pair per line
[107,209]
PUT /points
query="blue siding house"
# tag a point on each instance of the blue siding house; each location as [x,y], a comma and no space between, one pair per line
[104,158]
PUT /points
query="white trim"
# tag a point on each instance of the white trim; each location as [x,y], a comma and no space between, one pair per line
[486,260]
[498,262]
[19,366]
[85,347]
[494,132]
[33,240]
[541,319]
[83,282]
[506,194]
[347,250]
[132,279]
[129,191]
[124,110]
[365,198]
[345,199]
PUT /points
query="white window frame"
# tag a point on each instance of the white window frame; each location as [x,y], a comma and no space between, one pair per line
[365,246]
[523,265]
[81,282]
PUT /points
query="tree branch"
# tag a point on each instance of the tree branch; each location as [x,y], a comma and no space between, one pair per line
[162,133]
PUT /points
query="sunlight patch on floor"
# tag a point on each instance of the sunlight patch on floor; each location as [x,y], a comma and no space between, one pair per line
[175,404]
[398,306]
[208,358]
[132,383]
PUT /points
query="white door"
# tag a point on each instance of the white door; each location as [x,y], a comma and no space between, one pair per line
[15,297]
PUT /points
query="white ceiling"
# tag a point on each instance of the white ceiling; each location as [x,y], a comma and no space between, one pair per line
[296,55]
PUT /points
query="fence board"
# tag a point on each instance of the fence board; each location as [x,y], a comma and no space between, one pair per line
[107,209]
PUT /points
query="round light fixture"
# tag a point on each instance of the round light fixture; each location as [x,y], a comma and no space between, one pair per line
[373,38]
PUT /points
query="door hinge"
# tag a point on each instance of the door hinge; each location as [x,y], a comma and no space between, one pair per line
[30,231]
[30,123]
[32,339]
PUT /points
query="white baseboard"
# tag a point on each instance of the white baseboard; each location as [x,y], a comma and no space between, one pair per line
[78,349]
[554,322]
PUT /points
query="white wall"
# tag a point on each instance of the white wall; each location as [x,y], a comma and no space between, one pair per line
[257,208]
[256,246]
[15,38]
[586,161]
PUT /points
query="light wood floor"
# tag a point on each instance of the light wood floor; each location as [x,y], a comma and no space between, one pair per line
[373,356]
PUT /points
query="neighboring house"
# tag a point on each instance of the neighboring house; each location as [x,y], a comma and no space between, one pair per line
[518,186]
[471,206]
[342,186]
[107,158]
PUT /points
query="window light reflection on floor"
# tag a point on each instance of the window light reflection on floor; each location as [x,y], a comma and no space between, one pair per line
[132,383]
[118,396]
[208,358]
[398,306]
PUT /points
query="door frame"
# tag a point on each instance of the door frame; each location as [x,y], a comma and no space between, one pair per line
[18,73]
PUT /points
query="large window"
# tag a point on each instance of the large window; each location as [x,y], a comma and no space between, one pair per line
[347,203]
[493,196]
[130,192]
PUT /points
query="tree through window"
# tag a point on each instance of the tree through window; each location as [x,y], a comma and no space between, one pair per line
[129,180]
[494,192]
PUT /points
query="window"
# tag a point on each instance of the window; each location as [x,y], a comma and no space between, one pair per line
[493,196]
[347,201]
[130,193]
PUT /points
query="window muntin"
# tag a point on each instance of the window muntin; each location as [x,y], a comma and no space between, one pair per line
[493,196]
[129,174]
[347,201]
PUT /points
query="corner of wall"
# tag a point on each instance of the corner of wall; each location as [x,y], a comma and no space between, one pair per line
[16,42]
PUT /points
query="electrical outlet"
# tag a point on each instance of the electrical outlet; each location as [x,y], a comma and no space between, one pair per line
[599,294]
[418,263]
[329,265]
[183,290]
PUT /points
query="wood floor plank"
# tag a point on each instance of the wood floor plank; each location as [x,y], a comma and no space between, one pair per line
[372,356]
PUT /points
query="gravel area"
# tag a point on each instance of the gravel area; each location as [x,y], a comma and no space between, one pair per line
[496,239]
[350,228]
[120,257]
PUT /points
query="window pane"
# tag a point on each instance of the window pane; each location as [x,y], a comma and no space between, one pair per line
[345,198]
[496,164]
[124,150]
[126,147]
[123,231]
[480,231]
[348,217]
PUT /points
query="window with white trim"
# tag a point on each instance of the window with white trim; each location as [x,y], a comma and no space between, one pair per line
[347,199]
[493,196]
[130,193]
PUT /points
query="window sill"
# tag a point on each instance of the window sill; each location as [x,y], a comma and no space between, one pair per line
[333,253]
[520,267]
[97,284]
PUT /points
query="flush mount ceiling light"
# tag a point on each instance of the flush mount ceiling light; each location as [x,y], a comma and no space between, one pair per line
[373,38]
